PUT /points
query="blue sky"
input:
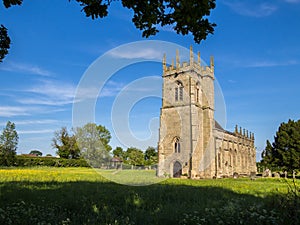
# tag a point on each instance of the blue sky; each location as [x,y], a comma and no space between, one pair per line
[257,63]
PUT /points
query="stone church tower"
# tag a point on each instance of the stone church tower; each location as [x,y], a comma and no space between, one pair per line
[191,142]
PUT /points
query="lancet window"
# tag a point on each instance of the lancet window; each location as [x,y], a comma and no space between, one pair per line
[179,91]
[177,145]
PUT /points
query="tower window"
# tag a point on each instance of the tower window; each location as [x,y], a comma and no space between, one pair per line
[197,91]
[179,92]
[177,146]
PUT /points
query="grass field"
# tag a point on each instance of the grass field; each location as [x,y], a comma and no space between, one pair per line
[84,196]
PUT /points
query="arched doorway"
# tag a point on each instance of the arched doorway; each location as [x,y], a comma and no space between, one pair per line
[177,169]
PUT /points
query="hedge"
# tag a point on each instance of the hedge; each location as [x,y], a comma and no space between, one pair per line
[24,161]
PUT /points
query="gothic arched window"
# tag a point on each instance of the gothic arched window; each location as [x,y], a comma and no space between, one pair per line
[177,145]
[197,92]
[179,91]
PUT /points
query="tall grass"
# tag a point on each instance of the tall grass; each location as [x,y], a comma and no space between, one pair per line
[83,196]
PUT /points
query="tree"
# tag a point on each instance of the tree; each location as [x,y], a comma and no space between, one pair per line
[285,150]
[35,152]
[93,142]
[267,155]
[104,136]
[8,144]
[4,42]
[186,17]
[134,156]
[65,144]
[151,156]
[118,152]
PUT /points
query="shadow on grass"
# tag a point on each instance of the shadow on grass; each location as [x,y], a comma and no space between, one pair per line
[111,203]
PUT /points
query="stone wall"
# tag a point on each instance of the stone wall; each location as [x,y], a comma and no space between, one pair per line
[189,141]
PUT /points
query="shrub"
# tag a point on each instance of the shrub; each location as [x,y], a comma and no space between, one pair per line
[235,211]
[26,161]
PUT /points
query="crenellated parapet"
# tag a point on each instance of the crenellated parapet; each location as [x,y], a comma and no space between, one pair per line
[192,65]
[244,135]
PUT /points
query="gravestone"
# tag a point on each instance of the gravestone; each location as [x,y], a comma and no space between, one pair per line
[277,175]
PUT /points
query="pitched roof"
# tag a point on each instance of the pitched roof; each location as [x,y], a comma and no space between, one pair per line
[116,159]
[218,126]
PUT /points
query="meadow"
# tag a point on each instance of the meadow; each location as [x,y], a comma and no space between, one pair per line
[46,195]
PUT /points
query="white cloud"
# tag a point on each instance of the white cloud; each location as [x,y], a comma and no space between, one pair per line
[251,8]
[61,93]
[50,93]
[10,111]
[241,62]
[111,88]
[130,53]
[34,122]
[50,88]
[26,68]
[13,111]
[43,98]
[44,101]
[270,63]
[44,131]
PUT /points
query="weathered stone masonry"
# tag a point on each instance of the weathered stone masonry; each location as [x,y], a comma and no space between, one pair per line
[191,142]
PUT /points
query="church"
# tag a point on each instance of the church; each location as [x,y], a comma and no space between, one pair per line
[191,142]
